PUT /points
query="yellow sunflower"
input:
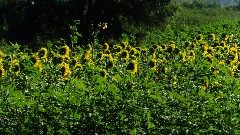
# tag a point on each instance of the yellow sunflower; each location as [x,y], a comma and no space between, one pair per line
[2,71]
[104,26]
[42,53]
[103,73]
[211,36]
[35,60]
[125,54]
[192,55]
[153,64]
[2,54]
[14,67]
[65,69]
[105,47]
[133,66]
[64,51]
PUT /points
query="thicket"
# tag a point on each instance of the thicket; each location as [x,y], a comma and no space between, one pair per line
[31,22]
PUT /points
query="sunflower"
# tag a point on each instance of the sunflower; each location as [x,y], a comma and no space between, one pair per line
[75,63]
[187,44]
[174,79]
[132,66]
[118,49]
[42,53]
[57,59]
[209,57]
[125,54]
[226,48]
[133,51]
[35,60]
[163,47]
[153,64]
[171,48]
[89,47]
[224,36]
[231,71]
[105,47]
[2,54]
[2,71]
[103,73]
[65,70]
[144,50]
[221,63]
[182,56]
[15,67]
[233,50]
[110,64]
[104,26]
[234,59]
[205,49]
[210,50]
[124,44]
[163,60]
[192,55]
[237,67]
[64,51]
[199,37]
[211,36]
[87,55]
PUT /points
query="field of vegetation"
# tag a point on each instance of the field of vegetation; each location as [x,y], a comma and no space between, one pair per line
[184,79]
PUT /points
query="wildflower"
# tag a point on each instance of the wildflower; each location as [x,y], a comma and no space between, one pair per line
[2,71]
[105,47]
[104,26]
[132,66]
[42,53]
[103,73]
[15,67]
